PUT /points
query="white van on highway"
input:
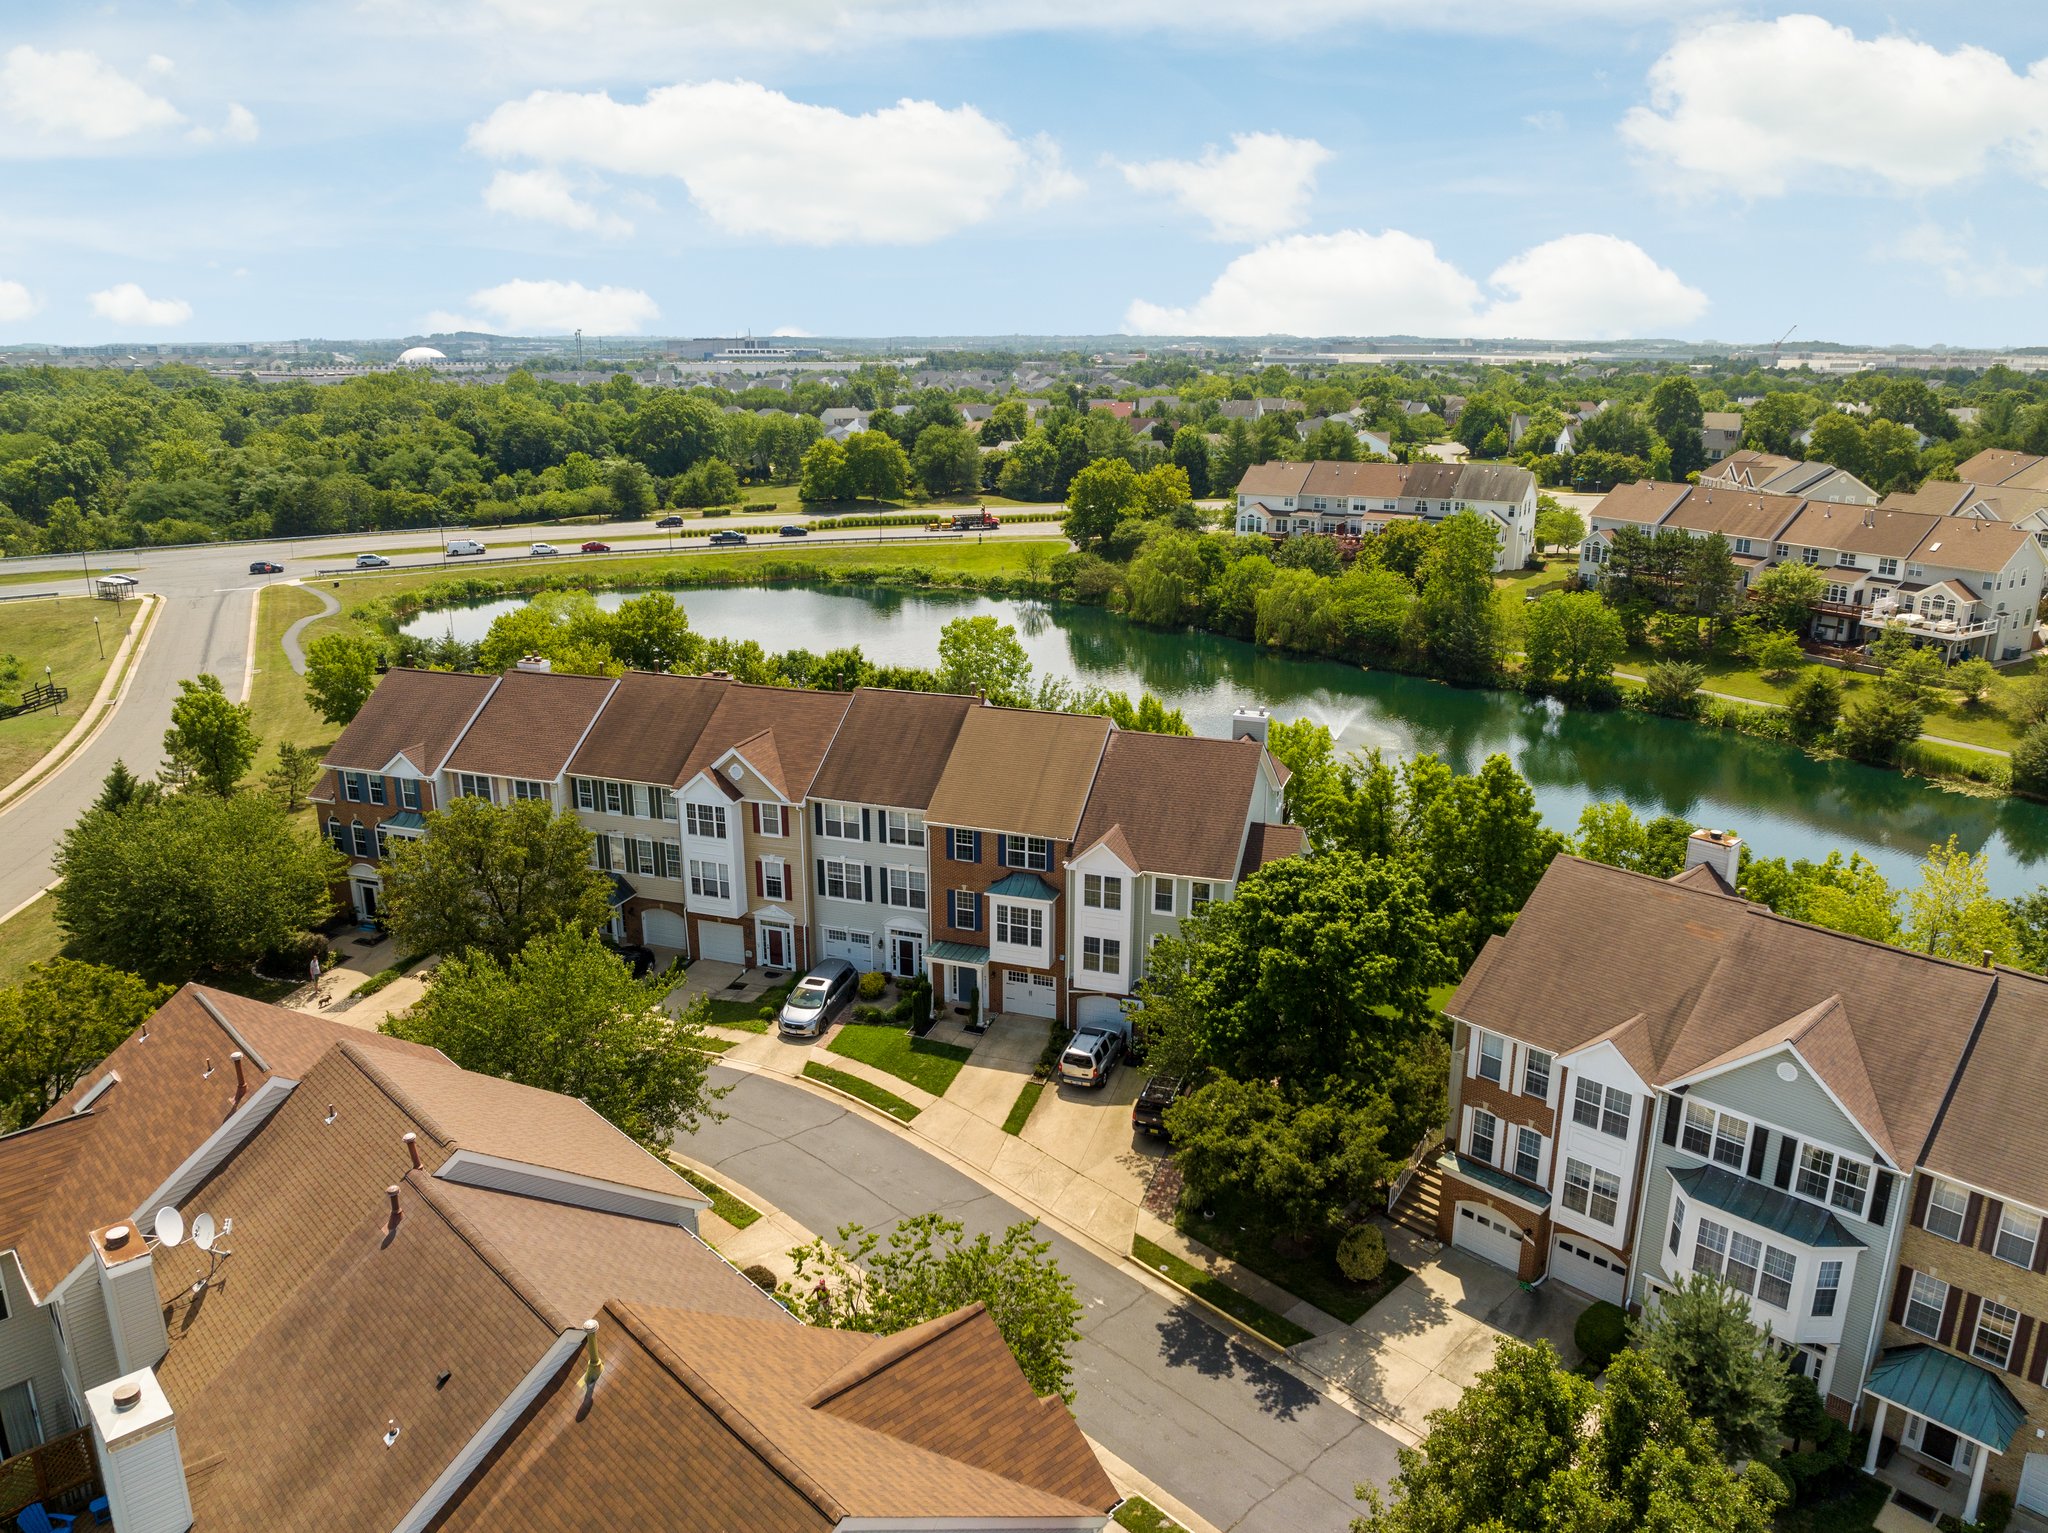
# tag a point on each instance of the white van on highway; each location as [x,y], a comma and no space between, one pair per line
[463,546]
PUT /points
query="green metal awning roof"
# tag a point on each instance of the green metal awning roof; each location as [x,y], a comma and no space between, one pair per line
[406,819]
[956,952]
[1487,1176]
[1756,1203]
[1024,886]
[621,891]
[1951,1391]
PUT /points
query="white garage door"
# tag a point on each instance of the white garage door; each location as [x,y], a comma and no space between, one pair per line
[1483,1232]
[721,942]
[1588,1268]
[857,948]
[663,928]
[1033,995]
[2034,1483]
[1098,1008]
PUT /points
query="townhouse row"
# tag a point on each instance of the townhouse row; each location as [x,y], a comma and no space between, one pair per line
[1350,501]
[1025,861]
[1966,584]
[1846,1132]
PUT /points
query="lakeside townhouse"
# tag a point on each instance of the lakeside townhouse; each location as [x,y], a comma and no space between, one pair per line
[1349,501]
[1969,585]
[769,827]
[263,1270]
[1825,1123]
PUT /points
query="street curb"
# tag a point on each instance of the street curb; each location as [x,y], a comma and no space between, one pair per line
[1242,1326]
[93,720]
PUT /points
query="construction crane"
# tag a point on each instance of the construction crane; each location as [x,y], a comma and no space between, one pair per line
[1780,341]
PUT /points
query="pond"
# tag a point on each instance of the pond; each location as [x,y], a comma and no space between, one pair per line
[1781,801]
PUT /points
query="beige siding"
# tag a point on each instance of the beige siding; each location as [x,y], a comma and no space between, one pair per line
[29,1351]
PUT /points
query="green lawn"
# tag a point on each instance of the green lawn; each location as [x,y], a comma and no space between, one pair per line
[715,1045]
[1020,1114]
[729,1208]
[1314,1277]
[30,937]
[755,1016]
[854,1086]
[1277,1329]
[277,694]
[58,634]
[920,1061]
[1141,1516]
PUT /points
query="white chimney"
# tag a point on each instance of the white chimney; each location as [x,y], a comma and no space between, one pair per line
[136,1441]
[128,1289]
[1720,850]
[539,663]
[1250,724]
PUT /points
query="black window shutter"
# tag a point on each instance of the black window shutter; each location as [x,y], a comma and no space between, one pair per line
[1900,1289]
[865,833]
[820,865]
[1881,1198]
[1920,1196]
[1002,851]
[1987,1234]
[980,905]
[2041,1259]
[977,846]
[1972,1211]
[818,818]
[1671,1112]
[1759,1147]
[1787,1152]
[1949,1312]
[867,883]
[2016,1360]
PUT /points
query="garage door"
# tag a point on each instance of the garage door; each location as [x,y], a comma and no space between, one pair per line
[1094,1009]
[721,942]
[857,948]
[1588,1268]
[1483,1232]
[2034,1483]
[1034,995]
[663,928]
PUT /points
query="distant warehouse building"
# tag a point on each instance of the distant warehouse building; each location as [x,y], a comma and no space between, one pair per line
[1355,500]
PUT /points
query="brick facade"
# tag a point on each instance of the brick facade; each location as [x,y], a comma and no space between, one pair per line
[977,877]
[1535,1249]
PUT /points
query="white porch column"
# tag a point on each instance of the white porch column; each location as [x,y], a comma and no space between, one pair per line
[1876,1438]
[1976,1485]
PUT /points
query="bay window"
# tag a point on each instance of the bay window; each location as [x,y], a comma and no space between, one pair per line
[1020,925]
[1827,1286]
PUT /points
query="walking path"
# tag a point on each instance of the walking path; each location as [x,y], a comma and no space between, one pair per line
[328,607]
[1763,702]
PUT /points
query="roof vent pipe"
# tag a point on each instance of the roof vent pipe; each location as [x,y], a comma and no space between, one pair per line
[412,1148]
[391,1192]
[241,1081]
[1987,958]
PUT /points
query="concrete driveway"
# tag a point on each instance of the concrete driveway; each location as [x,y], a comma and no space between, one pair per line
[1420,1347]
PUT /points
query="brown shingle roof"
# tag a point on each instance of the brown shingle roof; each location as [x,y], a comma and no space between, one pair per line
[1180,802]
[418,713]
[1995,465]
[1265,843]
[1017,770]
[1646,502]
[1980,1139]
[648,728]
[800,726]
[891,748]
[1860,529]
[1969,543]
[1734,513]
[532,725]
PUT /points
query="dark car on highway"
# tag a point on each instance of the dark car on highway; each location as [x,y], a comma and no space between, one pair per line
[726,537]
[670,521]
[794,531]
[265,567]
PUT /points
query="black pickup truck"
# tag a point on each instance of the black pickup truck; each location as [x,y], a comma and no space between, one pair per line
[1148,1113]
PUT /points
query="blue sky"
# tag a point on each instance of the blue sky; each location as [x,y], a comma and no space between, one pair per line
[1549,168]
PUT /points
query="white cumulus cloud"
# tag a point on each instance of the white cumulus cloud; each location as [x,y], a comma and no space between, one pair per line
[791,332]
[125,303]
[1756,107]
[70,100]
[1258,189]
[545,196]
[759,163]
[526,306]
[1582,286]
[241,126]
[16,302]
[1968,267]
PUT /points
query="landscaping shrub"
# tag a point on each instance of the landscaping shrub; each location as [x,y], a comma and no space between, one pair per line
[1601,1332]
[763,505]
[1362,1254]
[872,984]
[760,1277]
[1765,1483]
[867,1014]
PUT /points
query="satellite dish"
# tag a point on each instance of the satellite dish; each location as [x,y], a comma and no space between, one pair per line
[169,1225]
[202,1232]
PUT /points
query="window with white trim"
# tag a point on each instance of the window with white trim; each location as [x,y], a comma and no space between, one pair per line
[1536,1074]
[1027,852]
[963,910]
[1710,1247]
[1019,925]
[469,785]
[1774,1283]
[1528,1154]
[642,853]
[903,887]
[352,787]
[774,878]
[2017,1235]
[408,793]
[1481,1146]
[1162,896]
[839,821]
[1717,1135]
[843,880]
[1492,1057]
[665,804]
[1827,1286]
[526,787]
[615,798]
[1947,1206]
[377,788]
[1595,1193]
[671,859]
[1605,1108]
[774,819]
[710,880]
[1102,891]
[1102,955]
[1996,1325]
[585,791]
[1832,1178]
[900,827]
[1677,1224]
[705,820]
[1925,1301]
[1200,893]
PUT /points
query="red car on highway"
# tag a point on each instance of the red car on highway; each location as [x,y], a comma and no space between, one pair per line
[597,548]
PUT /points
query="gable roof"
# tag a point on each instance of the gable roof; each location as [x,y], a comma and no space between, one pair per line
[1996,465]
[1264,843]
[1019,770]
[1645,502]
[798,726]
[891,747]
[531,725]
[1179,803]
[417,714]
[648,728]
[2000,1086]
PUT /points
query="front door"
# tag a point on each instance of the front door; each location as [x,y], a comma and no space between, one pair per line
[908,954]
[1939,1443]
[774,948]
[366,901]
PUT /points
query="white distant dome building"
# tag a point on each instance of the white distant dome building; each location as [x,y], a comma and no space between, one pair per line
[420,356]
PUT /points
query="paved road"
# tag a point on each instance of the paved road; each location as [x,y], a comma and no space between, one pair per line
[209,598]
[1246,1444]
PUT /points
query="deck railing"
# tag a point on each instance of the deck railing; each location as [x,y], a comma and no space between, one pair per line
[1416,1156]
[60,1468]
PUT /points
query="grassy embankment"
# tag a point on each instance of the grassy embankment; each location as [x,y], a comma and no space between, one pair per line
[58,634]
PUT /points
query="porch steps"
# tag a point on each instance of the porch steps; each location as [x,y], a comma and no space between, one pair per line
[1420,1200]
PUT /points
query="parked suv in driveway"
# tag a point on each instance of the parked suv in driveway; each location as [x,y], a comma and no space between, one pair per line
[819,997]
[1090,1057]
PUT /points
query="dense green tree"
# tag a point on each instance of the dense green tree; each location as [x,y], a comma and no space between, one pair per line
[1403,547]
[632,489]
[492,878]
[1777,655]
[926,1268]
[341,673]
[1234,601]
[824,472]
[2030,762]
[651,632]
[1031,469]
[1677,416]
[1783,596]
[674,432]
[1672,687]
[122,788]
[1102,494]
[189,882]
[57,1021]
[1847,895]
[1880,724]
[1612,834]
[1558,526]
[979,654]
[1168,581]
[1190,454]
[563,1013]
[1255,1151]
[1774,422]
[876,467]
[1573,639]
[1293,611]
[947,460]
[709,483]
[1479,843]
[1952,914]
[1457,623]
[211,743]
[1699,1333]
[293,776]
